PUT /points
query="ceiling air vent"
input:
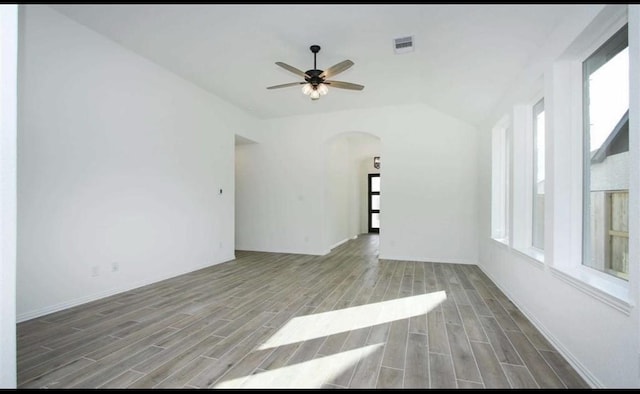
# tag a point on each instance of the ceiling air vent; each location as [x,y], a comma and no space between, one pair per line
[403,44]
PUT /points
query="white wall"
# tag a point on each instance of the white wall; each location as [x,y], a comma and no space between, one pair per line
[8,116]
[279,184]
[429,175]
[338,194]
[600,340]
[119,161]
[430,186]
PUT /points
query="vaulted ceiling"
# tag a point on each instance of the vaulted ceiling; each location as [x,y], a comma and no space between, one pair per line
[465,56]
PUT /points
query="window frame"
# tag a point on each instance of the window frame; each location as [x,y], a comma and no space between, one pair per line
[501,180]
[565,138]
[534,174]
[612,44]
[523,180]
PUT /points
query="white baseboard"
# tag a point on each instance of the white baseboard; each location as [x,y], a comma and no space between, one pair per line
[426,259]
[339,243]
[103,294]
[571,359]
[287,251]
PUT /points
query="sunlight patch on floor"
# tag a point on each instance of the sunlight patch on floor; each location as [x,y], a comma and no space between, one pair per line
[318,325]
[308,374]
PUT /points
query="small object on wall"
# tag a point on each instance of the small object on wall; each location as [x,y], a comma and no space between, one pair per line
[376,162]
[220,192]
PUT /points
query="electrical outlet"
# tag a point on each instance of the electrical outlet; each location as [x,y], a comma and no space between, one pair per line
[95,271]
[115,266]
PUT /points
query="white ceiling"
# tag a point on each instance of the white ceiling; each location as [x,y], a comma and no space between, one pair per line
[465,56]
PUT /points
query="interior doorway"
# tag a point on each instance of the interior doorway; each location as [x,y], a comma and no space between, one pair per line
[349,158]
[245,150]
[374,203]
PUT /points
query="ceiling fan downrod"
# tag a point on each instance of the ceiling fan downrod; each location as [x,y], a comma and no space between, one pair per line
[315,49]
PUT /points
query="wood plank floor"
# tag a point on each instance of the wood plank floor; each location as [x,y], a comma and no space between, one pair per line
[354,322]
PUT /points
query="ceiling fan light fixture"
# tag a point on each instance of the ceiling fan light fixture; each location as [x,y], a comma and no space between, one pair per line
[307,88]
[314,94]
[322,89]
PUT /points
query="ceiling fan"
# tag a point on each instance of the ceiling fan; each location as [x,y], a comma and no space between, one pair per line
[316,81]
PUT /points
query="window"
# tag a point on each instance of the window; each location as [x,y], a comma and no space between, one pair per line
[526,182]
[605,231]
[589,182]
[374,203]
[501,159]
[537,202]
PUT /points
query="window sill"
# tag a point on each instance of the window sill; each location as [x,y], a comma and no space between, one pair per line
[533,255]
[607,291]
[502,241]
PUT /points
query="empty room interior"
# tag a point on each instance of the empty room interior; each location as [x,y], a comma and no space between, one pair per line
[320,196]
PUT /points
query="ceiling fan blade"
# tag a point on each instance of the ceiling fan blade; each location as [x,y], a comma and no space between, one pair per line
[286,85]
[344,85]
[336,68]
[293,69]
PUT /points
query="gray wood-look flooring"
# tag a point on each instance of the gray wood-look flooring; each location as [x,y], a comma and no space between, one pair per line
[210,328]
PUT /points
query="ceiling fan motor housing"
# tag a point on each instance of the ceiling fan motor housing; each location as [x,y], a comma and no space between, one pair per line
[314,77]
